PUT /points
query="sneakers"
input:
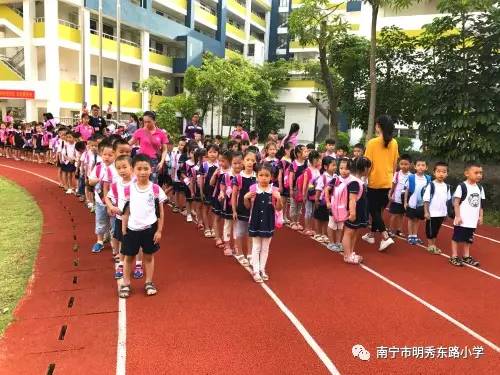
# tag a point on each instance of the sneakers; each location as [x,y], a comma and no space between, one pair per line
[419,241]
[119,272]
[69,191]
[97,248]
[264,275]
[368,238]
[470,261]
[412,240]
[138,272]
[456,261]
[335,247]
[257,278]
[189,218]
[384,244]
[433,250]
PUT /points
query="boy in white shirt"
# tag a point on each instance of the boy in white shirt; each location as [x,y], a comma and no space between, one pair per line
[142,224]
[436,197]
[414,204]
[396,206]
[468,203]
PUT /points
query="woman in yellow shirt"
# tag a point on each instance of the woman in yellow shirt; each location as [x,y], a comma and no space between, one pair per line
[383,153]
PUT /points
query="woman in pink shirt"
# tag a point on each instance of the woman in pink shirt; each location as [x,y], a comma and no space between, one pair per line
[152,142]
[239,132]
[84,128]
[292,135]
[8,118]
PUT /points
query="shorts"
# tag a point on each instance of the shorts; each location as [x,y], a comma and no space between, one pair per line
[240,229]
[286,192]
[102,220]
[68,168]
[309,205]
[415,213]
[397,208]
[463,234]
[432,226]
[134,240]
[333,225]
[356,224]
[117,230]
[321,213]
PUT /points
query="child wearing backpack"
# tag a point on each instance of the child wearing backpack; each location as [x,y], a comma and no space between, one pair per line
[217,179]
[436,199]
[355,199]
[68,163]
[306,183]
[414,204]
[263,200]
[297,167]
[241,214]
[321,213]
[142,224]
[396,196]
[283,181]
[468,202]
[207,170]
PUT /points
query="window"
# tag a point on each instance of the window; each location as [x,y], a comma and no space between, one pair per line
[251,50]
[93,24]
[140,3]
[136,86]
[159,12]
[284,3]
[282,41]
[106,29]
[108,82]
[283,20]
[93,80]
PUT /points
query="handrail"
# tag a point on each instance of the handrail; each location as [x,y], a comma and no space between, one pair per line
[39,19]
[18,11]
[112,37]
[69,24]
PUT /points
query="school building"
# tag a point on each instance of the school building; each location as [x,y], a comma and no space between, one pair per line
[49,50]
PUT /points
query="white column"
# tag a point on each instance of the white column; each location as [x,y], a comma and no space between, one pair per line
[248,17]
[266,35]
[30,55]
[51,15]
[144,74]
[87,55]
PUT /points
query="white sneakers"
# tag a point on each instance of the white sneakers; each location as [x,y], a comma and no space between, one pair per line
[189,218]
[368,238]
[384,244]
[69,191]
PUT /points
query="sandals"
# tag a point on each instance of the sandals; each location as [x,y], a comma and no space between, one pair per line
[208,233]
[201,226]
[150,289]
[124,291]
[257,278]
[227,250]
[353,258]
[242,260]
[219,243]
[318,237]
[294,226]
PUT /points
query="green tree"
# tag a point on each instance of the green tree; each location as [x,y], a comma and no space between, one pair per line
[317,23]
[153,85]
[166,117]
[460,100]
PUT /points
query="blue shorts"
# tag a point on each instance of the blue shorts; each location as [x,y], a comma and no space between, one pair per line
[102,220]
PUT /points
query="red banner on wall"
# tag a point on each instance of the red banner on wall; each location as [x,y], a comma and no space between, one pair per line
[17,94]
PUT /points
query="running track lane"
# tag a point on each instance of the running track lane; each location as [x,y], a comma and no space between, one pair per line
[208,317]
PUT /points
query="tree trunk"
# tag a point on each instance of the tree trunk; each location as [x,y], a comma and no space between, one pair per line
[373,73]
[330,90]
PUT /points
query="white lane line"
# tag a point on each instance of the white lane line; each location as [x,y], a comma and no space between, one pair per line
[475,234]
[465,264]
[433,308]
[121,346]
[300,327]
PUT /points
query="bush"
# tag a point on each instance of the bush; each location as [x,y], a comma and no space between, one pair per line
[166,118]
[405,144]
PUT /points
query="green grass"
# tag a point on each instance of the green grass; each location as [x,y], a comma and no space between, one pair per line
[492,217]
[20,229]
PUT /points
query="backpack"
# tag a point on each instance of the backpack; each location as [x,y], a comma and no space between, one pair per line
[278,215]
[449,202]
[156,194]
[286,173]
[449,205]
[340,198]
[396,182]
[299,196]
[98,169]
[229,186]
[412,183]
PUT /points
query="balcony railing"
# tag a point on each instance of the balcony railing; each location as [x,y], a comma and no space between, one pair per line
[113,37]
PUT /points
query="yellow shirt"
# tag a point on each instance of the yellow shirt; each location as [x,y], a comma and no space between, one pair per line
[383,160]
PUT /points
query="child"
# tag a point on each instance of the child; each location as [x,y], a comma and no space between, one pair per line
[58,146]
[283,181]
[244,145]
[81,149]
[178,157]
[101,170]
[216,182]
[197,185]
[239,132]
[330,148]
[262,201]
[396,196]
[297,167]
[38,143]
[241,214]
[358,150]
[226,189]
[321,214]
[122,148]
[142,224]
[254,138]
[208,169]
[341,152]
[436,197]
[414,204]
[309,178]
[468,202]
[186,177]
[68,163]
[88,161]
[270,158]
[357,205]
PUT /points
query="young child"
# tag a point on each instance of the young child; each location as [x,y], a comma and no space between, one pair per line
[468,202]
[216,181]
[186,178]
[197,185]
[283,182]
[142,224]
[241,214]
[99,172]
[262,200]
[88,162]
[414,204]
[341,152]
[68,163]
[321,213]
[270,158]
[396,196]
[244,145]
[358,150]
[208,169]
[357,206]
[58,146]
[436,197]
[178,157]
[309,178]
[297,167]
[330,148]
[38,143]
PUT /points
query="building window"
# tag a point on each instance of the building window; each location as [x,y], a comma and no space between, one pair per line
[282,41]
[353,6]
[284,3]
[283,20]
[136,86]
[93,80]
[93,24]
[108,82]
[106,29]
[251,50]
[140,3]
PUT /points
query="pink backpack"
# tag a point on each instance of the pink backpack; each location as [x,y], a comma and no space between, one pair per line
[340,198]
[229,185]
[278,215]
[299,196]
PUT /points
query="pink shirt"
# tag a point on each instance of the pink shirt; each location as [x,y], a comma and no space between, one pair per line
[8,119]
[243,134]
[85,130]
[150,144]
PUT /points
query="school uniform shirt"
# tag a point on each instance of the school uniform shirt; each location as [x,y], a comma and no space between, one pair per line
[94,176]
[112,175]
[68,153]
[400,180]
[471,206]
[119,200]
[90,160]
[262,221]
[142,206]
[362,203]
[330,154]
[415,200]
[437,206]
[323,182]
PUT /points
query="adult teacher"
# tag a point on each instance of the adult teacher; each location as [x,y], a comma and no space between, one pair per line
[383,153]
[193,127]
[96,121]
[152,142]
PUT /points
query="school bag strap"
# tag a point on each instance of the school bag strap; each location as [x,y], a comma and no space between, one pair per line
[114,190]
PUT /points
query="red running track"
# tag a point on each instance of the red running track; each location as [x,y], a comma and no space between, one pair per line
[209,317]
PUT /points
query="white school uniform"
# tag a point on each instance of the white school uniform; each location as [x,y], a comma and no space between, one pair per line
[471,206]
[142,207]
[437,206]
[415,199]
[400,180]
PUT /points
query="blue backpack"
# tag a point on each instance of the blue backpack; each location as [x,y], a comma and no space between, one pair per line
[412,183]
